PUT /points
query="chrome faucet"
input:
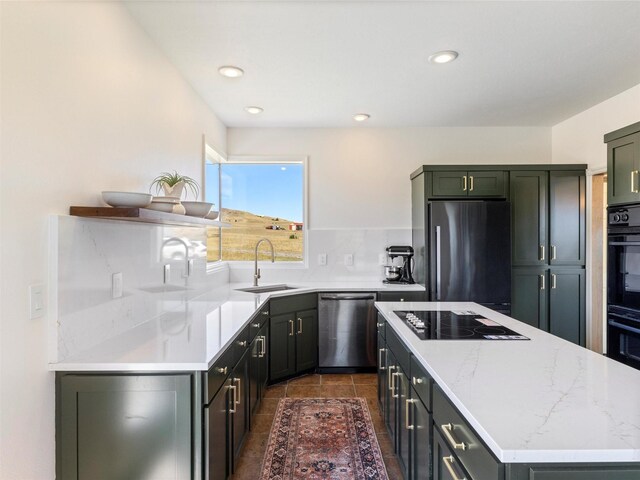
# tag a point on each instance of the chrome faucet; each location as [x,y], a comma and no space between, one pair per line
[188,262]
[256,270]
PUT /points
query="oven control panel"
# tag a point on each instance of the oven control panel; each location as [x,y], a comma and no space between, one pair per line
[624,216]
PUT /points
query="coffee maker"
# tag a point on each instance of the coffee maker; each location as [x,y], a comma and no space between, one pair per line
[400,274]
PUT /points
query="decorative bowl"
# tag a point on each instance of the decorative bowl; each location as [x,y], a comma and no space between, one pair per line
[127,199]
[212,215]
[161,207]
[197,209]
[171,200]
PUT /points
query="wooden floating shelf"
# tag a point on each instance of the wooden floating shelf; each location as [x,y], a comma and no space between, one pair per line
[144,215]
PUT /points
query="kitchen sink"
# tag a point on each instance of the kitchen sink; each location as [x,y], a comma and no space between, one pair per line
[267,288]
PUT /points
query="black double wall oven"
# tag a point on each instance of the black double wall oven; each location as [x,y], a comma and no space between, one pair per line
[623,284]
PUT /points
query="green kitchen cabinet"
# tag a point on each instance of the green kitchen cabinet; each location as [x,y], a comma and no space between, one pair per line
[419,422]
[456,183]
[282,346]
[445,465]
[403,432]
[567,304]
[217,434]
[567,218]
[306,340]
[382,374]
[123,426]
[239,409]
[529,205]
[391,412]
[529,296]
[409,296]
[623,165]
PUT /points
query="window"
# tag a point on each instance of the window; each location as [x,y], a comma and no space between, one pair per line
[258,199]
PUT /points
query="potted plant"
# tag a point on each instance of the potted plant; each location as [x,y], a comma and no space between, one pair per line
[173,184]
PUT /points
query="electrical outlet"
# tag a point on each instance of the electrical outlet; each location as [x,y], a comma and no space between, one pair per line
[382,259]
[36,301]
[348,259]
[322,259]
[116,285]
[167,273]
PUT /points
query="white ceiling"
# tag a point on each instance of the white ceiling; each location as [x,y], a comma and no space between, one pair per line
[315,64]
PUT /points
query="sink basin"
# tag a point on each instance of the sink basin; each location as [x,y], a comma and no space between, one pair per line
[267,288]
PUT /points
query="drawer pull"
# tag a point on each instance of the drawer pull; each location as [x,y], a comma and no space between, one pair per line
[265,313]
[380,350]
[553,252]
[448,462]
[232,409]
[407,402]
[541,252]
[263,341]
[299,325]
[541,282]
[464,182]
[243,343]
[553,280]
[222,370]
[291,328]
[391,382]
[448,432]
[417,381]
[239,382]
[255,325]
[380,325]
[471,183]
[395,374]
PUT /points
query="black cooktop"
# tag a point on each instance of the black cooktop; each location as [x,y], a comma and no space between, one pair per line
[455,325]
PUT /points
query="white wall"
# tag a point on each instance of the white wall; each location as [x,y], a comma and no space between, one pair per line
[88,104]
[359,177]
[579,139]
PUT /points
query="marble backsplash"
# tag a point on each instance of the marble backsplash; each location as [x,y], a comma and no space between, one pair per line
[86,253]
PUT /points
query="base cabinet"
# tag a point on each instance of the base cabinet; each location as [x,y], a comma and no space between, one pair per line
[217,435]
[293,343]
[258,369]
[123,426]
[445,465]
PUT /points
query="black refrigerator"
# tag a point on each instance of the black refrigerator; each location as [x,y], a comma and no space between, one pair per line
[469,244]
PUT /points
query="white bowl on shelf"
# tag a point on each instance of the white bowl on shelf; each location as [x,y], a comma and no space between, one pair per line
[171,200]
[197,209]
[212,215]
[126,199]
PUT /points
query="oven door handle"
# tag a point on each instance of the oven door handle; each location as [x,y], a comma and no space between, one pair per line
[622,326]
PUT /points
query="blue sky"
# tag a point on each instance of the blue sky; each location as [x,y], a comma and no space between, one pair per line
[264,189]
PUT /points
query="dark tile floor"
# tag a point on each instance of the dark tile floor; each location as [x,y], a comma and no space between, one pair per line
[314,386]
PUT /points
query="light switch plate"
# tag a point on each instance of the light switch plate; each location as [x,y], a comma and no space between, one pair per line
[167,273]
[36,301]
[348,259]
[322,259]
[116,285]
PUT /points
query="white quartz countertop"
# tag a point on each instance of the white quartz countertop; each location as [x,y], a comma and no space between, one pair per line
[543,400]
[193,335]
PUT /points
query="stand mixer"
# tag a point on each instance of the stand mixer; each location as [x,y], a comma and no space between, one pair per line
[401,274]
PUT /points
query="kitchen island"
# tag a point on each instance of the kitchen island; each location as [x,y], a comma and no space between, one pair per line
[541,408]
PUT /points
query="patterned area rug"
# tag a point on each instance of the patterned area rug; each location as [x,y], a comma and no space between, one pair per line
[323,439]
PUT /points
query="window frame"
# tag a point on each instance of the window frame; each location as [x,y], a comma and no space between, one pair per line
[266,159]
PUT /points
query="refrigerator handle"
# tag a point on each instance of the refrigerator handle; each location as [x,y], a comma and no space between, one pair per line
[437,262]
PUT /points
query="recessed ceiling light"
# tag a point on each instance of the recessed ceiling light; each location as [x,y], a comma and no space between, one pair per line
[361,117]
[254,110]
[230,71]
[445,56]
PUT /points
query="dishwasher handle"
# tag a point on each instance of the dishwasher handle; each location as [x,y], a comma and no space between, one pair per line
[368,296]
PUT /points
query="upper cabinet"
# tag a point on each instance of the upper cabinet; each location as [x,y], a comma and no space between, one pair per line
[529,207]
[623,165]
[456,183]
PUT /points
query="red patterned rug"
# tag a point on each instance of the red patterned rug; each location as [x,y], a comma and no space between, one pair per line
[323,439]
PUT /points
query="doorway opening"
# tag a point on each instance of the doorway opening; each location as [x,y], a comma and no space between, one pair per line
[596,316]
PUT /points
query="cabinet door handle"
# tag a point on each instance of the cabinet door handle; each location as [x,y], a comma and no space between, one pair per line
[243,343]
[447,428]
[541,282]
[380,325]
[464,183]
[239,382]
[471,183]
[291,328]
[553,280]
[261,348]
[634,181]
[448,462]
[299,325]
[541,252]
[391,383]
[395,395]
[417,381]
[407,403]
[265,313]
[553,252]
[233,403]
[255,325]
[222,370]
[380,350]
[264,345]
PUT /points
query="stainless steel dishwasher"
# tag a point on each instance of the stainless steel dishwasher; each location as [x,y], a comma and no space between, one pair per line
[347,331]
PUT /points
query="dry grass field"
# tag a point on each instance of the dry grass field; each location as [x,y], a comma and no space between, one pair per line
[239,241]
